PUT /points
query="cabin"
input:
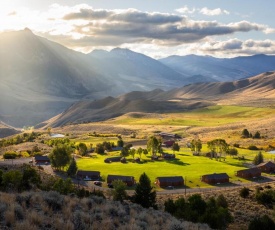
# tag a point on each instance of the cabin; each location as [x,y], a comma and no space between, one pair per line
[169,181]
[41,159]
[215,178]
[112,159]
[249,173]
[169,135]
[88,175]
[168,144]
[129,180]
[267,167]
[168,156]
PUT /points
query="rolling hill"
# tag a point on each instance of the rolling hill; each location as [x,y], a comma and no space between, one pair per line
[254,91]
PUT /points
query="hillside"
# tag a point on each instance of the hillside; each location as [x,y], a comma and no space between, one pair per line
[209,68]
[6,130]
[254,91]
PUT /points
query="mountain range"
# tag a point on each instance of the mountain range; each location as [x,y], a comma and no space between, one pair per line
[258,90]
[40,78]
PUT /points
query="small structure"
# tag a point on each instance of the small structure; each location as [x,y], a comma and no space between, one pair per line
[129,180]
[168,156]
[117,148]
[215,178]
[249,173]
[88,175]
[267,167]
[41,159]
[168,144]
[169,135]
[112,159]
[169,181]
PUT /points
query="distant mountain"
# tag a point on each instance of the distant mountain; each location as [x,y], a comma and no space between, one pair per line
[220,69]
[40,78]
[6,130]
[131,70]
[257,91]
[254,91]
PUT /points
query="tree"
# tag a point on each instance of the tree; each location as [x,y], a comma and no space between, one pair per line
[64,186]
[259,158]
[82,148]
[132,152]
[232,152]
[99,148]
[120,142]
[144,194]
[49,131]
[139,152]
[30,177]
[12,180]
[196,145]
[245,133]
[145,152]
[72,169]
[257,135]
[119,191]
[175,147]
[60,156]
[124,152]
[218,146]
[152,145]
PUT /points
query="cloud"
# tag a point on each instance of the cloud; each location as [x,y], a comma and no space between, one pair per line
[214,12]
[186,10]
[131,25]
[204,10]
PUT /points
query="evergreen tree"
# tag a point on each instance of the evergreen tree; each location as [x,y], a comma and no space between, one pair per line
[175,147]
[257,135]
[245,133]
[259,158]
[144,194]
[72,169]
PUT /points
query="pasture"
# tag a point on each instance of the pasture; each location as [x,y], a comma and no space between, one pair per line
[186,165]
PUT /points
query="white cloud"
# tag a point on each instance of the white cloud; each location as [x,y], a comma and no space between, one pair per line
[213,12]
[186,10]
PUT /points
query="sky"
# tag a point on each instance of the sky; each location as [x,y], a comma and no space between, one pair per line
[157,28]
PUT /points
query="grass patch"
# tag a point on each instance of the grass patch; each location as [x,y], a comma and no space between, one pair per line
[186,165]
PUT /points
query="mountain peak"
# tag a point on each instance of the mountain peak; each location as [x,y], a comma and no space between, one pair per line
[28,30]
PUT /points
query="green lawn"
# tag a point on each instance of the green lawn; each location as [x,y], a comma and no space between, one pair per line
[189,166]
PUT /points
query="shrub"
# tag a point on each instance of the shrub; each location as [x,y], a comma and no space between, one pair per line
[252,147]
[263,222]
[266,198]
[54,200]
[244,192]
[10,155]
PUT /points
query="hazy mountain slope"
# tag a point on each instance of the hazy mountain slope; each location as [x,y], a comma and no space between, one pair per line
[256,91]
[134,70]
[6,130]
[220,69]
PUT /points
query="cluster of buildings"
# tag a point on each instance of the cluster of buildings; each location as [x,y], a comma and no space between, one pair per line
[178,181]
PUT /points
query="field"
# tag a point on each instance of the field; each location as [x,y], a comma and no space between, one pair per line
[210,116]
[186,165]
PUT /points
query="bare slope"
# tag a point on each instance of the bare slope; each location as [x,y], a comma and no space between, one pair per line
[255,91]
[6,130]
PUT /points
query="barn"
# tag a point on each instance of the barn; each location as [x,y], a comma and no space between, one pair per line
[249,173]
[129,180]
[267,167]
[215,178]
[88,175]
[169,181]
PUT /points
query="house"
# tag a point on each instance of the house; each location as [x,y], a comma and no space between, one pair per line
[88,175]
[215,178]
[249,173]
[169,181]
[129,180]
[41,159]
[112,159]
[267,167]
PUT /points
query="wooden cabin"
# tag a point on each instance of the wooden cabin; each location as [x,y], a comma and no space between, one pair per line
[129,180]
[169,181]
[249,173]
[215,178]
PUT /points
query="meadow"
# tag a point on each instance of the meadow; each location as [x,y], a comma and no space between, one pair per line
[209,116]
[186,165]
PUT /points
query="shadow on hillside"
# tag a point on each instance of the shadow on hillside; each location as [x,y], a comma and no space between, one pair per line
[261,179]
[176,162]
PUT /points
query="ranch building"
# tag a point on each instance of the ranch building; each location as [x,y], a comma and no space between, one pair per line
[169,181]
[249,173]
[129,180]
[88,175]
[215,178]
[267,167]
